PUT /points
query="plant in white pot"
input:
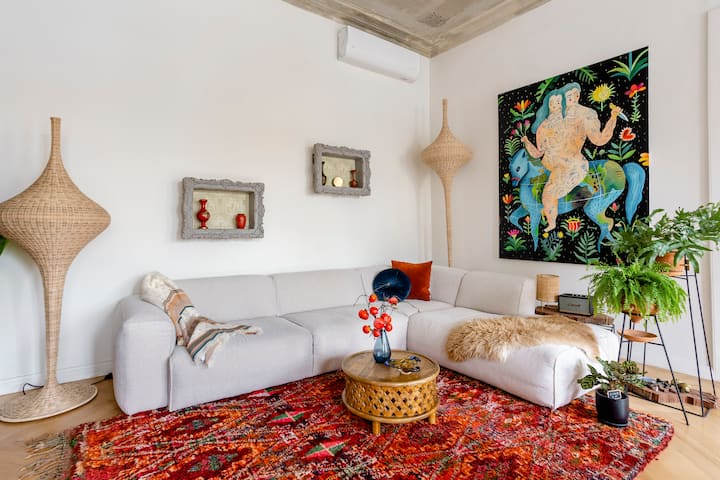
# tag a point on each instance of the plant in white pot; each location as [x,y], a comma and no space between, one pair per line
[611,400]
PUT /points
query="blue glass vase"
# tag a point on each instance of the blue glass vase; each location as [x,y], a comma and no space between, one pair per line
[381,351]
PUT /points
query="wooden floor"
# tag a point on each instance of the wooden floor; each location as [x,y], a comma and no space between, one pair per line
[693,453]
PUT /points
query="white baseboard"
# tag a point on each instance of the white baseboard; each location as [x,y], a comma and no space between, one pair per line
[15,384]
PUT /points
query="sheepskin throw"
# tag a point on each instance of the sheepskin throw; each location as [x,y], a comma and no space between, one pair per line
[495,338]
[202,336]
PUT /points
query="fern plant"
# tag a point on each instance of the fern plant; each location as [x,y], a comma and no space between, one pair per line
[637,288]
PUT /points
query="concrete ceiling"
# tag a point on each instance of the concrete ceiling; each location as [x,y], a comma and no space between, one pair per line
[428,27]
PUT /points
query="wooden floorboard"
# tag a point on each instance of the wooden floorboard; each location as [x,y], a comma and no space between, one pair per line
[693,453]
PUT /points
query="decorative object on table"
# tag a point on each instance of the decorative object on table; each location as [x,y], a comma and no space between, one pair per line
[611,400]
[419,275]
[201,336]
[575,304]
[53,221]
[379,394]
[406,365]
[638,290]
[226,198]
[391,282]
[333,163]
[240,220]
[547,288]
[380,323]
[203,215]
[319,434]
[445,156]
[568,214]
[675,240]
[495,338]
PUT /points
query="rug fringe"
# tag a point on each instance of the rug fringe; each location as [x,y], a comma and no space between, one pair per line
[48,458]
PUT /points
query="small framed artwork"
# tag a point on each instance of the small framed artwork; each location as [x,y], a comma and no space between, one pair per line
[222,209]
[341,170]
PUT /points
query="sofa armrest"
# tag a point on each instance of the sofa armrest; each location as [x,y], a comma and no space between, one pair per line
[142,349]
[498,293]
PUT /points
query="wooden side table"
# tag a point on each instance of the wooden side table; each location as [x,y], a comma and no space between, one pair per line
[383,394]
[601,319]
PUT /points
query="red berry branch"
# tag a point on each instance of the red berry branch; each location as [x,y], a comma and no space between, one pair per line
[381,320]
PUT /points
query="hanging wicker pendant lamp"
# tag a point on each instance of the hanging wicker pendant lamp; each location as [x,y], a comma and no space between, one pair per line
[52,220]
[445,156]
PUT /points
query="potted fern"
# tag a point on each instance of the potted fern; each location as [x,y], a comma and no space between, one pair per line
[611,400]
[637,289]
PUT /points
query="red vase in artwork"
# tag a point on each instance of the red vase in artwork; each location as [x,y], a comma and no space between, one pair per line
[240,220]
[203,215]
[353,179]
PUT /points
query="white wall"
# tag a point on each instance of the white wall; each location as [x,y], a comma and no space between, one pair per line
[560,36]
[151,92]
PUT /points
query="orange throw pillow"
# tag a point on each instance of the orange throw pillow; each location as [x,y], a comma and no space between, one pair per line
[419,275]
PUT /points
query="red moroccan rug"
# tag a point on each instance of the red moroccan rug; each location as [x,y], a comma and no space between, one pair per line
[302,430]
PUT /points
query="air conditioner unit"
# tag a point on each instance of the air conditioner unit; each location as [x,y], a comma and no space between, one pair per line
[368,51]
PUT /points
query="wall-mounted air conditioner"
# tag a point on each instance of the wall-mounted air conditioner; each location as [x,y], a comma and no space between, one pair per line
[368,51]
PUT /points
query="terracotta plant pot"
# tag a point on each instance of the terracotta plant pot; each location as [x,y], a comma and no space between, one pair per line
[636,316]
[675,270]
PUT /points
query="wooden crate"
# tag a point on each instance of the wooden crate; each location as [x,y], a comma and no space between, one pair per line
[668,395]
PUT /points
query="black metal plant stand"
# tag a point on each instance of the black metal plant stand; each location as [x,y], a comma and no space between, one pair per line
[661,343]
[686,276]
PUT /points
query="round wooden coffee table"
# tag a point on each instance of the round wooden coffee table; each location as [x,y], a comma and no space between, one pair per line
[383,394]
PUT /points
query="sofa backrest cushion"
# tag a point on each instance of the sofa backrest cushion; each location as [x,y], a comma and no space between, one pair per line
[445,283]
[303,291]
[498,293]
[232,298]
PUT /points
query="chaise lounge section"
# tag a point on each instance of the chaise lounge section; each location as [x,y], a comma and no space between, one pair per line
[309,322]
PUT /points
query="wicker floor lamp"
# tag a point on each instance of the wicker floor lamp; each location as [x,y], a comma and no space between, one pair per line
[52,220]
[445,156]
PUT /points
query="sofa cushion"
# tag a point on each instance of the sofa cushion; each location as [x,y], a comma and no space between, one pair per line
[233,297]
[498,293]
[337,332]
[445,283]
[283,353]
[419,275]
[304,291]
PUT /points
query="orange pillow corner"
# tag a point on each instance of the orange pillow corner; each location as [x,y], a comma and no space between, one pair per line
[419,275]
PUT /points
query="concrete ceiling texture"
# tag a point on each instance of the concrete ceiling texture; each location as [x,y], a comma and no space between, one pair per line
[428,27]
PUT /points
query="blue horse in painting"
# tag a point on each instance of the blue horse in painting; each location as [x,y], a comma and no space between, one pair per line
[605,182]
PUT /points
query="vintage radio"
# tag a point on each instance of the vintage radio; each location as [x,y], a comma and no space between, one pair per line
[577,304]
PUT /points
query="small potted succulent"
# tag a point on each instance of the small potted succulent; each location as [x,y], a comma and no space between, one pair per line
[611,400]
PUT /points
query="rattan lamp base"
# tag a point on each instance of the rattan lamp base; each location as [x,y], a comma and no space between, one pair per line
[45,402]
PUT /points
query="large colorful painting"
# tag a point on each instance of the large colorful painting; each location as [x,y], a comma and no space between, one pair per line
[574,161]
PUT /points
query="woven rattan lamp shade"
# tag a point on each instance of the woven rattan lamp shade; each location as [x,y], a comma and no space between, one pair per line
[445,156]
[547,288]
[52,220]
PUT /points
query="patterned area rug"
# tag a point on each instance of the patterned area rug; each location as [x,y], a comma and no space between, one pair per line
[302,430]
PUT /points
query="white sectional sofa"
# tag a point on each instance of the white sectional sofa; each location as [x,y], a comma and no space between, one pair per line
[309,322]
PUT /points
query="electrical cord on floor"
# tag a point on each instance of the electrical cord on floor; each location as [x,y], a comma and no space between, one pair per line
[28,384]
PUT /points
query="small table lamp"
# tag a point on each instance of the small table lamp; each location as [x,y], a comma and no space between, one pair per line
[547,288]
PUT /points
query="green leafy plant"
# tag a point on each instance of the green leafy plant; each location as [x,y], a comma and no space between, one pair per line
[687,233]
[586,75]
[615,375]
[3,242]
[632,67]
[637,288]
